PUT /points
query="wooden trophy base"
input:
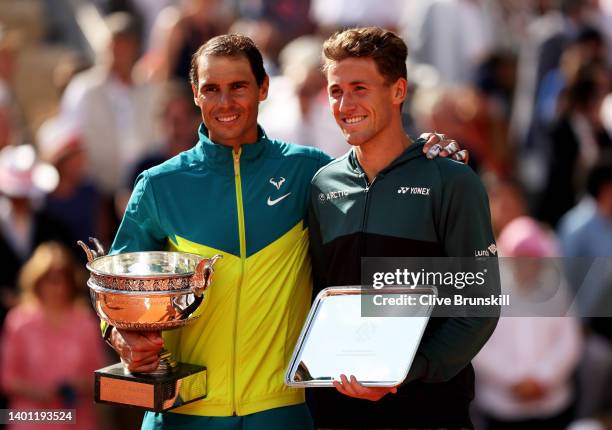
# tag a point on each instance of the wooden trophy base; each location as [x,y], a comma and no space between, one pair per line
[184,384]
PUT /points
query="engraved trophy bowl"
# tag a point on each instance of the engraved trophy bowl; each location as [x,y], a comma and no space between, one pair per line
[147,291]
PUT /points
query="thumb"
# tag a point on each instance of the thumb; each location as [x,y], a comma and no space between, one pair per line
[154,336]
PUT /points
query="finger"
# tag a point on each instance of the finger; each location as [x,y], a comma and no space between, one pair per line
[451,147]
[462,156]
[349,387]
[426,136]
[145,368]
[143,344]
[138,357]
[145,359]
[155,337]
[339,387]
[393,390]
[132,356]
[357,388]
[434,151]
[430,140]
[448,147]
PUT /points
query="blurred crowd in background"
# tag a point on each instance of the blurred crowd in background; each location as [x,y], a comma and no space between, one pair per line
[92,92]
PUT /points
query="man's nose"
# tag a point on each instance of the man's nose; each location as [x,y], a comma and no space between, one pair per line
[346,103]
[225,99]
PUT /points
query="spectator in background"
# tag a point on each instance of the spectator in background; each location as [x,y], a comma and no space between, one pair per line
[547,36]
[7,126]
[290,18]
[507,203]
[297,109]
[179,122]
[8,46]
[50,342]
[587,47]
[23,181]
[330,15]
[265,35]
[146,12]
[477,114]
[591,237]
[10,110]
[606,113]
[76,202]
[450,35]
[578,140]
[180,30]
[112,108]
[586,241]
[524,372]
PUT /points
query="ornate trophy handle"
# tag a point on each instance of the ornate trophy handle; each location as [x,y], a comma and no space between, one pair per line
[91,253]
[203,274]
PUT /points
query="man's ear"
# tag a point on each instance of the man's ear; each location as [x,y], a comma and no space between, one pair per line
[400,91]
[194,90]
[263,88]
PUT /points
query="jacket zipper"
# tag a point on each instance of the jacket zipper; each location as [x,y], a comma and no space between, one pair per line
[367,200]
[365,211]
[242,237]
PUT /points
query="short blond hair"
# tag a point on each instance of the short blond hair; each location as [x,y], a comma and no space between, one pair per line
[48,257]
[387,49]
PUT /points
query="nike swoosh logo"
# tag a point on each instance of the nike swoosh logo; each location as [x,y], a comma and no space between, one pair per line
[275,201]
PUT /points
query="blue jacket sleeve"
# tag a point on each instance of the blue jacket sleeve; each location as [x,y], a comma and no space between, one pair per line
[140,228]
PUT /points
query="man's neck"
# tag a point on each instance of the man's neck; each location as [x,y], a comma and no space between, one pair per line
[378,153]
[235,144]
[123,76]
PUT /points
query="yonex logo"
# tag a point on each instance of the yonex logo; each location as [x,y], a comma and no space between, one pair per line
[423,191]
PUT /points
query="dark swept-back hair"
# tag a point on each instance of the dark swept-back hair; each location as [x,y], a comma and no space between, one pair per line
[229,45]
[388,50]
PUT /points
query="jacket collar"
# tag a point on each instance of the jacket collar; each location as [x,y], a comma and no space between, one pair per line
[220,153]
[415,150]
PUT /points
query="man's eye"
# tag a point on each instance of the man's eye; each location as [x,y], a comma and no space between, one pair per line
[210,90]
[335,93]
[359,88]
[238,86]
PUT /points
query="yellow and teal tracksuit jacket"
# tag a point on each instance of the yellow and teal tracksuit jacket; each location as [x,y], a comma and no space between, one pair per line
[251,207]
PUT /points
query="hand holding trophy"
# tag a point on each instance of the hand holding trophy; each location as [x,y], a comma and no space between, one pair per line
[141,294]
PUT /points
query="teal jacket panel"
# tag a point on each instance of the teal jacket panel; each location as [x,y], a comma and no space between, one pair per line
[193,195]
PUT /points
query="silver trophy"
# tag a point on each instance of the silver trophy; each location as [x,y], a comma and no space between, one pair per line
[148,291]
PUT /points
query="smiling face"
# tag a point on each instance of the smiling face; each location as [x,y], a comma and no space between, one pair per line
[363,103]
[228,96]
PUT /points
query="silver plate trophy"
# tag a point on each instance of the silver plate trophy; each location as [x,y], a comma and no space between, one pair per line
[378,350]
[148,291]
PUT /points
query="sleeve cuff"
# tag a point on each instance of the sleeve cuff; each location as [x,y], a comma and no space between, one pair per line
[418,370]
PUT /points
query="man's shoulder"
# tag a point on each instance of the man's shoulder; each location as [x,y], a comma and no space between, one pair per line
[331,170]
[282,149]
[451,171]
[184,161]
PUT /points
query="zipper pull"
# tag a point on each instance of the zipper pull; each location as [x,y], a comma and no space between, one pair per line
[236,156]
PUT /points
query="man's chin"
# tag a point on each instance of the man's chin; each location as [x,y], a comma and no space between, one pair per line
[354,140]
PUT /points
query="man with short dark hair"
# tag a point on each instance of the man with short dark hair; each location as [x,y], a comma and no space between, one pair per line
[112,108]
[241,194]
[366,78]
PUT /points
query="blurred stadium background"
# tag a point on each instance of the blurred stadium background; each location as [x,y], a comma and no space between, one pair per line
[94,91]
